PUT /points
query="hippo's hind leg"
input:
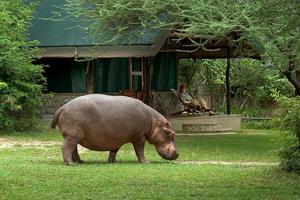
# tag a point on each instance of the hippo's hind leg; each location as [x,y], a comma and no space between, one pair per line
[112,155]
[76,157]
[67,148]
[139,146]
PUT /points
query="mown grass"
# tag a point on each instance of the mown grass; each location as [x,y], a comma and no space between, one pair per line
[38,173]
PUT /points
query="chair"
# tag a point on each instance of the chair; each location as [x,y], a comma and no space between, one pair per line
[128,93]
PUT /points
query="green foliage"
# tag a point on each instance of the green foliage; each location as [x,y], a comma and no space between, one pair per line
[249,111]
[290,159]
[258,124]
[272,81]
[252,83]
[20,80]
[272,26]
[188,70]
[289,111]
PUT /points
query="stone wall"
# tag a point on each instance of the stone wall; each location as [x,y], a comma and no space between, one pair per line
[227,121]
[54,101]
[164,102]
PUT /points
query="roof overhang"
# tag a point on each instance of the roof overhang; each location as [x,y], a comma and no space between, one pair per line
[106,51]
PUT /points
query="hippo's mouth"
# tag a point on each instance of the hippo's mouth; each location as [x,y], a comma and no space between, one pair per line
[172,156]
[168,153]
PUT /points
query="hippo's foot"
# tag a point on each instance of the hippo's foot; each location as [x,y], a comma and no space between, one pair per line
[70,163]
[144,161]
[79,161]
[111,160]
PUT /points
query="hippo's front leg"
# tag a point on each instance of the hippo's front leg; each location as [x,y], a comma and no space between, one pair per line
[139,146]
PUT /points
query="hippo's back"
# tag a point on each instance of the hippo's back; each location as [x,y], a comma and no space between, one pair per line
[104,122]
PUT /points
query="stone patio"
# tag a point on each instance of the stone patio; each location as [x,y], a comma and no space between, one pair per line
[190,125]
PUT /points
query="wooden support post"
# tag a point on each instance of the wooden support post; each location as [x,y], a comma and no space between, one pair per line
[90,78]
[130,73]
[143,75]
[228,86]
[147,80]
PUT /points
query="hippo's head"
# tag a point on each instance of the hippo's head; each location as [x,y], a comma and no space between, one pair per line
[163,139]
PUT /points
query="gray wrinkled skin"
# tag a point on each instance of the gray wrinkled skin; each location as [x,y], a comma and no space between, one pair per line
[105,123]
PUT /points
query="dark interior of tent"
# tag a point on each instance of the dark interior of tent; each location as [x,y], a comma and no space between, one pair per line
[111,75]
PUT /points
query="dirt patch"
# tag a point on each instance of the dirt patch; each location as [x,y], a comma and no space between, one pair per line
[6,143]
[214,162]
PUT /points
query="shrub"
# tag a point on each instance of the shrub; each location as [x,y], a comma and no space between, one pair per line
[290,158]
[20,80]
[261,124]
[289,121]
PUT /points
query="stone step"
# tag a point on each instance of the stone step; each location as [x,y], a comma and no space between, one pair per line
[212,132]
[201,127]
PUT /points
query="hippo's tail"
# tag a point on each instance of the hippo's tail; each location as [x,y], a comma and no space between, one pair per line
[55,118]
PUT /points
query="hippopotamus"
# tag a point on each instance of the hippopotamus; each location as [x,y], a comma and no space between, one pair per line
[105,123]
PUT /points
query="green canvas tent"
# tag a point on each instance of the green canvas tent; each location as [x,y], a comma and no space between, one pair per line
[121,65]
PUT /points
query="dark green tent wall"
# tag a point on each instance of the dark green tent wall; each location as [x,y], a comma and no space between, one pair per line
[64,75]
[111,75]
[164,73]
[78,77]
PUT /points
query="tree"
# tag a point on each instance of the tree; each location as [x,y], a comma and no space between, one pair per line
[252,85]
[20,80]
[187,71]
[273,23]
[281,31]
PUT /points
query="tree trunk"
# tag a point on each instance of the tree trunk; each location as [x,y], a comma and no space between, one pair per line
[293,62]
[295,81]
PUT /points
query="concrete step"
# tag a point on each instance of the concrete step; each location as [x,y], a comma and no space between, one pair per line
[212,132]
[201,127]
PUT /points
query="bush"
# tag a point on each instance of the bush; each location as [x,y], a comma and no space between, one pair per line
[261,124]
[246,111]
[290,159]
[20,80]
[289,121]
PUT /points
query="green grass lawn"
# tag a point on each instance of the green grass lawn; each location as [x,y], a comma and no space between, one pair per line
[39,173]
